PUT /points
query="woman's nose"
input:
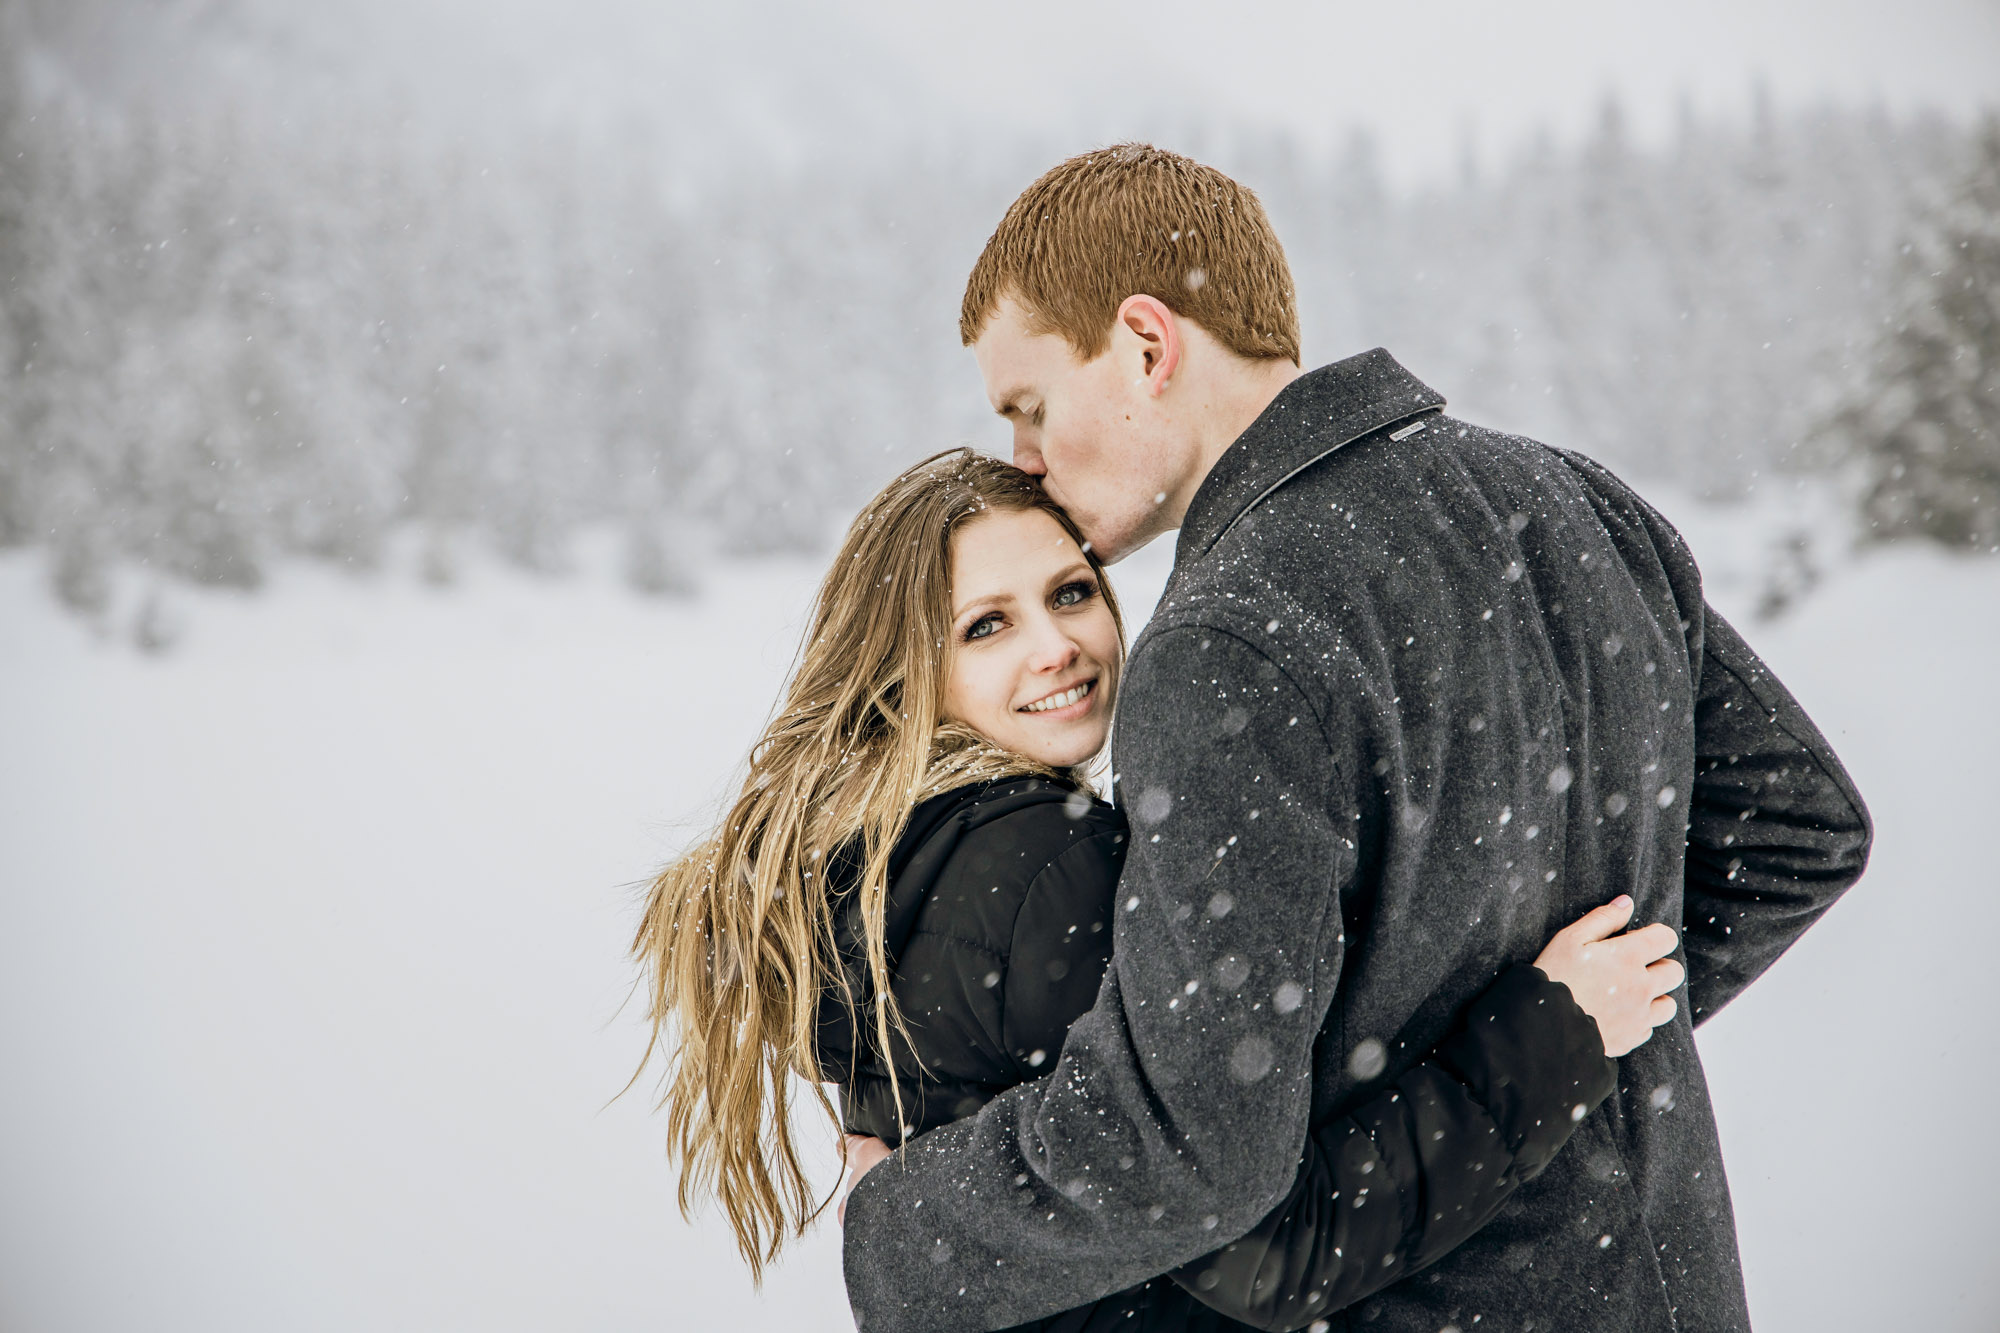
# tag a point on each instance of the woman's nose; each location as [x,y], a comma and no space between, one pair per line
[1053,649]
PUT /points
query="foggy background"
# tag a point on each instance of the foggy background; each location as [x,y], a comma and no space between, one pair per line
[421,423]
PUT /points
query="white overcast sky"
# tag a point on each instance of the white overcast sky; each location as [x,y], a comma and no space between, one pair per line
[802,75]
[1422,73]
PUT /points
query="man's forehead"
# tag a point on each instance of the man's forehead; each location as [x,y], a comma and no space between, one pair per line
[1014,358]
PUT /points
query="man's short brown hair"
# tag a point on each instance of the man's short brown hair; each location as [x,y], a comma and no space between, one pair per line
[1135,220]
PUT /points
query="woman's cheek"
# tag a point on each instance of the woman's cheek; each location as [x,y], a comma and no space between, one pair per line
[995,715]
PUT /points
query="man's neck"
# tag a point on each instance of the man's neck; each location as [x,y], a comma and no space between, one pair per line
[1233,401]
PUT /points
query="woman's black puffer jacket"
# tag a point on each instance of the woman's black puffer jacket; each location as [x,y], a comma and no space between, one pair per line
[999,923]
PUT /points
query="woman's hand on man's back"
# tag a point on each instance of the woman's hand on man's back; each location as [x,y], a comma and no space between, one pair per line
[860,1153]
[1622,981]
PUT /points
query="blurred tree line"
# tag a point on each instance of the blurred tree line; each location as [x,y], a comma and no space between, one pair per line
[225,340]
[1922,426]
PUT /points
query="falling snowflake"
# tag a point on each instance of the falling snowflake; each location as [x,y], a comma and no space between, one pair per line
[1251,1060]
[1368,1059]
[1154,805]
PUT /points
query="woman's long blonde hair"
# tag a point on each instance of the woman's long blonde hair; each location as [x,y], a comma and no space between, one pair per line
[737,940]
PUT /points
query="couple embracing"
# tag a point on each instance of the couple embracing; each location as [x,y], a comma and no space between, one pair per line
[1445,810]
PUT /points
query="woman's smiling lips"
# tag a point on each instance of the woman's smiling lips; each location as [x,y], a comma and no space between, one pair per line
[1062,705]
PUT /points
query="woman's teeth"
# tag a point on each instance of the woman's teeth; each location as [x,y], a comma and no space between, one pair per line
[1063,700]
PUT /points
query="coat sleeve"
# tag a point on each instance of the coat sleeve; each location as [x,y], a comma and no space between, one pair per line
[1178,1110]
[1776,830]
[1401,1180]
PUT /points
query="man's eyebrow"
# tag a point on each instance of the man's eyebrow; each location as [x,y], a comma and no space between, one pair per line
[1010,401]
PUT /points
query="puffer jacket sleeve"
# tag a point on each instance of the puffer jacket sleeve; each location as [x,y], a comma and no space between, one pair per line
[1776,829]
[1008,943]
[1397,1182]
[1061,942]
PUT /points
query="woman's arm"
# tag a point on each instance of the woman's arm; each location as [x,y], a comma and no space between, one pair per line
[1405,1177]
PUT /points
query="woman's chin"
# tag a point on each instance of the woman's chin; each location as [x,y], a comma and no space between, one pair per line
[1080,744]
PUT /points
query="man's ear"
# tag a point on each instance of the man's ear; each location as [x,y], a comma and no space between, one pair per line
[1157,336]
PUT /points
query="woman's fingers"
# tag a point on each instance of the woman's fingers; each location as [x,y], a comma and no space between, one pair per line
[1601,922]
[861,1154]
[1620,978]
[1654,941]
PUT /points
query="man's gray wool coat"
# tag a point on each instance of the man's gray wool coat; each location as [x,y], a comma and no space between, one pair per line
[1417,696]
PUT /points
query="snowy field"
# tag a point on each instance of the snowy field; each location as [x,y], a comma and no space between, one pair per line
[312,939]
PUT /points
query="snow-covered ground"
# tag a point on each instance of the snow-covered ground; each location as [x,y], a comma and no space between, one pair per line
[312,933]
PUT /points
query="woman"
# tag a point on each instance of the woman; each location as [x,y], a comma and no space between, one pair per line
[914,894]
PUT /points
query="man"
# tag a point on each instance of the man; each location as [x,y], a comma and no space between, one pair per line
[1417,694]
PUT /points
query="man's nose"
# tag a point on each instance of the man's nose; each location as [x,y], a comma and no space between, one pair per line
[1028,455]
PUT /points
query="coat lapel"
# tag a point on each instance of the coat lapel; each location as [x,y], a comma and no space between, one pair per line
[1317,414]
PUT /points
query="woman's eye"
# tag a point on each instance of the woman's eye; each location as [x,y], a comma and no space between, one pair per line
[1072,593]
[981,627]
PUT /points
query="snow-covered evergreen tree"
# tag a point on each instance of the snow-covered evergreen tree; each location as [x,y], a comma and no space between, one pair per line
[228,337]
[1926,427]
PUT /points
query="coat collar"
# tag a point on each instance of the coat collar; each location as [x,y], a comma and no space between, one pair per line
[1314,415]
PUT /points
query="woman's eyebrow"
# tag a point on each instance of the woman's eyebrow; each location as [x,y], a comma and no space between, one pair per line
[984,599]
[1068,573]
